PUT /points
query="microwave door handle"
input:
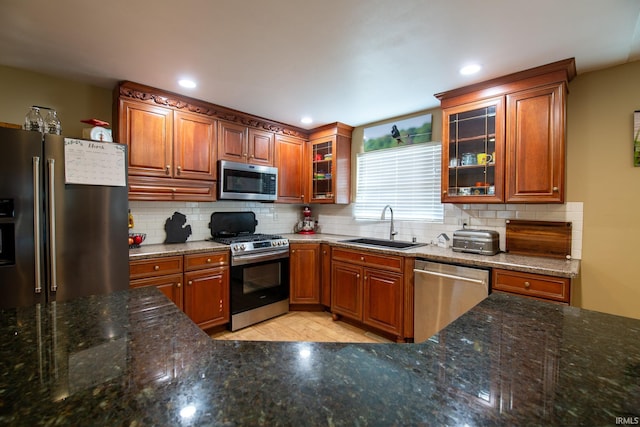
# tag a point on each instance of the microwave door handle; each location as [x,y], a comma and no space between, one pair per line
[37,253]
[52,226]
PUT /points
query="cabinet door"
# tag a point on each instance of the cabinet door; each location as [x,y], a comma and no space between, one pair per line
[289,161]
[170,285]
[322,171]
[325,276]
[206,296]
[473,152]
[304,273]
[261,147]
[148,132]
[383,300]
[194,144]
[232,142]
[535,145]
[346,290]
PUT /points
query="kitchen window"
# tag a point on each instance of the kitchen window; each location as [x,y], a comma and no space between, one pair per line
[407,178]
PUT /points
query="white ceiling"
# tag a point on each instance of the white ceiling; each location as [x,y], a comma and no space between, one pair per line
[354,61]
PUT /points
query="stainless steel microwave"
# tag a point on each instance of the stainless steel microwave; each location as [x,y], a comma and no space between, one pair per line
[241,181]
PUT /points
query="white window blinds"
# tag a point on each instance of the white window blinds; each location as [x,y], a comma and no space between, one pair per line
[407,178]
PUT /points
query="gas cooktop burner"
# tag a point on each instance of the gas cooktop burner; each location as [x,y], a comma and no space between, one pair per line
[257,237]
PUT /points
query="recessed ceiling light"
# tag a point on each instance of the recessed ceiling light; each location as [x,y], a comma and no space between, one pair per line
[189,84]
[306,120]
[470,69]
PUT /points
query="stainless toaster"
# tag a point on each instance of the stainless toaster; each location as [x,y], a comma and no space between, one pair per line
[483,242]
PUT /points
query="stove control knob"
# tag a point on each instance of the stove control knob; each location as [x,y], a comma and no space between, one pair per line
[242,247]
[274,243]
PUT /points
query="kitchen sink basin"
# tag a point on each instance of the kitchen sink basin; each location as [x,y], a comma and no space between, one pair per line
[382,243]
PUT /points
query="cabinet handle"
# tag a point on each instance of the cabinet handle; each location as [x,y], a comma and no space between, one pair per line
[302,196]
[179,170]
[167,170]
[444,192]
[178,284]
[190,282]
[293,251]
[156,267]
[208,260]
[361,258]
[358,275]
[244,154]
[527,285]
[555,189]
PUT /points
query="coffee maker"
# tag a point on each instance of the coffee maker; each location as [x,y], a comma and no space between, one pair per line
[307,225]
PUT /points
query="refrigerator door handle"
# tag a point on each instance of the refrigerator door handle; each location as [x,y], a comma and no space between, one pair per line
[52,226]
[37,253]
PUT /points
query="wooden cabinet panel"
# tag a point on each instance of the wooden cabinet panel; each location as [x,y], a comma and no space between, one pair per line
[206,296]
[328,169]
[532,285]
[170,285]
[194,146]
[346,290]
[155,267]
[325,275]
[383,300]
[389,262]
[149,188]
[147,130]
[289,160]
[232,142]
[205,260]
[535,145]
[261,146]
[304,273]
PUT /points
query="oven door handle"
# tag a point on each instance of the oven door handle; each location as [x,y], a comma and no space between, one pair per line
[259,257]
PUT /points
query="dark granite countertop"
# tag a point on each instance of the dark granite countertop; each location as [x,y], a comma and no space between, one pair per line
[133,359]
[527,264]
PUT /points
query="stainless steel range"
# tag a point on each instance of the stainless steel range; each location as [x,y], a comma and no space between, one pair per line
[259,268]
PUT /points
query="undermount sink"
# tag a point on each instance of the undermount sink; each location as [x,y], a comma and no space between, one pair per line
[382,243]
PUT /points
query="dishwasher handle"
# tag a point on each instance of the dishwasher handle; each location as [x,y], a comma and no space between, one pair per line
[449,276]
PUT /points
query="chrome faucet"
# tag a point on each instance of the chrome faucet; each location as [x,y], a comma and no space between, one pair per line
[392,232]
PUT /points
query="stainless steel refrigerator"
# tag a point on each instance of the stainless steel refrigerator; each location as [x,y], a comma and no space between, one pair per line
[63,218]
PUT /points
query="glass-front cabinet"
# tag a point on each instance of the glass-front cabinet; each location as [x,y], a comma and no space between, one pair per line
[473,158]
[322,170]
[329,154]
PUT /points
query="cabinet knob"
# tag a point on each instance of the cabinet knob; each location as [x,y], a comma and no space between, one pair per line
[190,282]
[208,260]
[527,285]
[444,192]
[167,170]
[358,275]
[361,258]
[302,196]
[244,154]
[156,267]
[555,189]
[179,170]
[293,251]
[179,285]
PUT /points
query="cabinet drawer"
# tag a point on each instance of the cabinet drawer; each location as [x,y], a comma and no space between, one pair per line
[205,260]
[387,262]
[534,285]
[155,267]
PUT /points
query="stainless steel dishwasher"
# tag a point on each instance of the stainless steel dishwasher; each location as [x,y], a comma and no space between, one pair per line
[444,292]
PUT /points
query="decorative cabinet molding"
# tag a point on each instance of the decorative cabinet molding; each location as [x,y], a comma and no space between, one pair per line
[162,98]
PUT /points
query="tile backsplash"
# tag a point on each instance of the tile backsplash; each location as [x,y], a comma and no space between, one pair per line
[150,218]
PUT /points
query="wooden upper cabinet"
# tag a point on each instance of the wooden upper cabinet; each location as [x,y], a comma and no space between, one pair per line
[289,159]
[261,147]
[328,174]
[523,117]
[239,143]
[148,132]
[194,144]
[535,145]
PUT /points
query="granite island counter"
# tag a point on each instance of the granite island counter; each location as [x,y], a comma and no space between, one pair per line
[132,358]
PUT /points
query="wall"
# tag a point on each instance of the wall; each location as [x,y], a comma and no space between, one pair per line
[600,173]
[73,101]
